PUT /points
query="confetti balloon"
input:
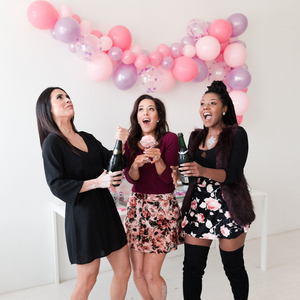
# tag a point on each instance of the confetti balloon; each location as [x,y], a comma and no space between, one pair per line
[197,29]
[88,47]
[150,80]
[218,71]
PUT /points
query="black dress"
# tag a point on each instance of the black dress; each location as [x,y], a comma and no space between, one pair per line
[92,223]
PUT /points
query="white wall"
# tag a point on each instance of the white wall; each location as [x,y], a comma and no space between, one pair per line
[31,61]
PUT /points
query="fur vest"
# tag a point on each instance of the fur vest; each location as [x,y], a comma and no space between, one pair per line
[236,194]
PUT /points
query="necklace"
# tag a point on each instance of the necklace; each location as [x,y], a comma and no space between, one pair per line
[210,142]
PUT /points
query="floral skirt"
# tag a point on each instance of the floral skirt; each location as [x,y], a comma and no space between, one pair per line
[208,216]
[153,223]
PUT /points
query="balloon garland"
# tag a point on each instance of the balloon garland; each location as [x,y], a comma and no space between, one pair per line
[210,51]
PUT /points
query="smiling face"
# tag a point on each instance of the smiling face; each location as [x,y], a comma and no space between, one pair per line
[61,105]
[211,110]
[147,116]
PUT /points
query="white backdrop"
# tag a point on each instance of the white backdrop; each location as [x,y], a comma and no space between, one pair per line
[32,60]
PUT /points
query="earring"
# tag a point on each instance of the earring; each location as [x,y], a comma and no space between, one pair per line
[224,113]
[157,121]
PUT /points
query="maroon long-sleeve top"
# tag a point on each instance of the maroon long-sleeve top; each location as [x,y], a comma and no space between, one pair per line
[150,182]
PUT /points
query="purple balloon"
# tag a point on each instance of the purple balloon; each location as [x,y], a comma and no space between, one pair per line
[67,29]
[167,63]
[176,50]
[125,76]
[187,41]
[240,42]
[202,69]
[239,79]
[115,53]
[239,24]
[52,33]
[72,46]
[145,52]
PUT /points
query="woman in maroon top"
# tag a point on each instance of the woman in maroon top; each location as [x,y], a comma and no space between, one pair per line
[152,220]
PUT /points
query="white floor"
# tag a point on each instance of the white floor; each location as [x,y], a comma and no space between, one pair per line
[280,282]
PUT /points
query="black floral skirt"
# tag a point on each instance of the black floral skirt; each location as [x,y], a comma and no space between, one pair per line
[208,216]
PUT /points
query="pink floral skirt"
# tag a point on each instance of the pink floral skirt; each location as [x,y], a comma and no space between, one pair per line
[153,223]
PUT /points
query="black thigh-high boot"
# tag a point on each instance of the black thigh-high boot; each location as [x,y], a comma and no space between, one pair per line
[193,269]
[235,271]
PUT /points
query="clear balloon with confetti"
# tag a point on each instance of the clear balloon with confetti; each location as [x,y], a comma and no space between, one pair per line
[88,47]
[197,29]
[150,80]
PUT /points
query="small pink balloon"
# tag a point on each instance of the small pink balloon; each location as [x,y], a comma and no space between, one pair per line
[185,69]
[221,30]
[85,27]
[240,101]
[100,69]
[121,37]
[136,49]
[207,48]
[77,18]
[189,51]
[168,80]
[224,45]
[65,11]
[42,15]
[235,55]
[106,43]
[141,61]
[239,119]
[154,58]
[163,49]
[128,57]
[97,33]
[220,57]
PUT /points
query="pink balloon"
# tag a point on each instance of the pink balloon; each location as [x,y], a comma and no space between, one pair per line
[235,55]
[42,15]
[100,69]
[154,58]
[185,69]
[189,51]
[240,101]
[221,30]
[106,43]
[141,61]
[239,119]
[208,48]
[65,11]
[85,27]
[121,37]
[220,57]
[136,49]
[97,33]
[77,18]
[128,57]
[163,49]
[168,80]
[224,45]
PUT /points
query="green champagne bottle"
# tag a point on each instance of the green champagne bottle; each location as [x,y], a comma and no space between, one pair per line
[116,160]
[184,157]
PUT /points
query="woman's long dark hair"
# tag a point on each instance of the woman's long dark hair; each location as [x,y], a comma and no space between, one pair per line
[45,121]
[135,131]
[218,87]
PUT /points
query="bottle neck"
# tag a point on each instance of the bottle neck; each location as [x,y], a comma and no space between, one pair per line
[118,147]
[182,145]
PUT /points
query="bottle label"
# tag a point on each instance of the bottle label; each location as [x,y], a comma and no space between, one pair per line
[184,152]
[116,152]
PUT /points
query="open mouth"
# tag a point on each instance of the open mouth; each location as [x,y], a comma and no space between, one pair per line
[146,121]
[207,116]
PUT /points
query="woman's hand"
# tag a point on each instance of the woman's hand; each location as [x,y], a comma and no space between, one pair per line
[153,153]
[175,175]
[191,169]
[106,180]
[122,134]
[139,161]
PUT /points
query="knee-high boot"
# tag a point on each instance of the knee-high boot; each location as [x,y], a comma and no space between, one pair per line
[235,271]
[194,263]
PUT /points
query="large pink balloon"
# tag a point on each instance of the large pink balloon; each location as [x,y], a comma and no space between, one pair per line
[221,30]
[240,101]
[185,69]
[100,69]
[235,55]
[239,119]
[121,37]
[207,48]
[168,80]
[42,15]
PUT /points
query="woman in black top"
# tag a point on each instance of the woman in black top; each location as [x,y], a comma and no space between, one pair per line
[218,206]
[75,167]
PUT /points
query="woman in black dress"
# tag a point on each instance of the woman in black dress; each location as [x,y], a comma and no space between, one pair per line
[75,167]
[218,206]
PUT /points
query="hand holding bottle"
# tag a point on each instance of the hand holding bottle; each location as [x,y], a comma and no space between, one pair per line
[191,169]
[107,180]
[122,134]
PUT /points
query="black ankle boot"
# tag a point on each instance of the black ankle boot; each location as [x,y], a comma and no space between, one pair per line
[235,271]
[193,269]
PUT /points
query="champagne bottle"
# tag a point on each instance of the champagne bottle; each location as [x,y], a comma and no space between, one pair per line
[184,157]
[116,160]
